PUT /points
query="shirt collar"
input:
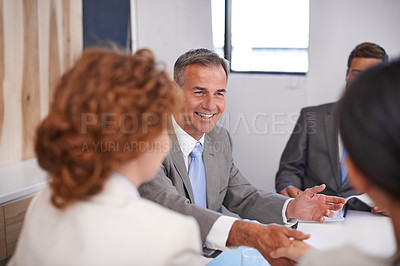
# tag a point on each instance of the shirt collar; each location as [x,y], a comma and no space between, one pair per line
[186,142]
[127,183]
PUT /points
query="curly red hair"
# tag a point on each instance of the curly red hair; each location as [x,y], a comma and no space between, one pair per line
[103,108]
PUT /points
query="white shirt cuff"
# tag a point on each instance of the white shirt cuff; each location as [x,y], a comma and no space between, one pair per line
[286,221]
[218,235]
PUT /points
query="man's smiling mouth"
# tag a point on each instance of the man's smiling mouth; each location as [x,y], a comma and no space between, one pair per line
[204,115]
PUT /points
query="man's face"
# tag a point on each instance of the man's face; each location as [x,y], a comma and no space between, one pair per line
[358,65]
[204,90]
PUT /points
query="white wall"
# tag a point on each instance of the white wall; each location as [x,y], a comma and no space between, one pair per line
[172,27]
[336,27]
[262,109]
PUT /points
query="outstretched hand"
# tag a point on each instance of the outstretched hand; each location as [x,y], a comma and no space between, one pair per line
[377,209]
[310,206]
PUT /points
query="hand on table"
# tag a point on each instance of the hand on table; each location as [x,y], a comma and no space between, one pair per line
[310,206]
[265,238]
[295,251]
[291,191]
[377,209]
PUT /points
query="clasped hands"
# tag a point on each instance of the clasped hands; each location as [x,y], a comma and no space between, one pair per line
[281,245]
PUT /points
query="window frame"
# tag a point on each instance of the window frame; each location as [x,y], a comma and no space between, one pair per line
[228,47]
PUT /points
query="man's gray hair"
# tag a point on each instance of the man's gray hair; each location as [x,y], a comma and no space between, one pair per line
[200,56]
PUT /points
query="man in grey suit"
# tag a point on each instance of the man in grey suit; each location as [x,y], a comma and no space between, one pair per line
[203,75]
[313,153]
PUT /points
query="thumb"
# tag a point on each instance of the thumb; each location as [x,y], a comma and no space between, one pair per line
[277,253]
[316,189]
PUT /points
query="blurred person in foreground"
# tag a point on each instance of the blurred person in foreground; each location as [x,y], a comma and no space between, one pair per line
[369,116]
[314,153]
[104,136]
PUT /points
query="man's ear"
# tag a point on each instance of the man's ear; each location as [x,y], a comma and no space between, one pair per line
[357,179]
[175,84]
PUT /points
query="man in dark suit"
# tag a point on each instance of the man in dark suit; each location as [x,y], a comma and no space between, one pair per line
[202,75]
[313,153]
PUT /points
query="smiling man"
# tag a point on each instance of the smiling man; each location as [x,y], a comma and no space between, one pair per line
[204,92]
[198,177]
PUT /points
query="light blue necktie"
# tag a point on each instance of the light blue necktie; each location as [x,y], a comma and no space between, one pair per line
[343,166]
[197,176]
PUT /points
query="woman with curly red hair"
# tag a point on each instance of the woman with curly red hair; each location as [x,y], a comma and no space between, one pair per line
[104,136]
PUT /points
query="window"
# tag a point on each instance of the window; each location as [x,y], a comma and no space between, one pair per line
[265,35]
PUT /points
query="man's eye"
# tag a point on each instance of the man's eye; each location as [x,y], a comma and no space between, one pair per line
[198,92]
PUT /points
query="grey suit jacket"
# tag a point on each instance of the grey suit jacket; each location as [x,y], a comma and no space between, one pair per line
[225,186]
[311,156]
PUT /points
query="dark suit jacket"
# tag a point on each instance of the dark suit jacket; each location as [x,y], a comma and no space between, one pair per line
[311,156]
[225,186]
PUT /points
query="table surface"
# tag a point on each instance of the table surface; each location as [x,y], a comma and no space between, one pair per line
[20,180]
[371,233]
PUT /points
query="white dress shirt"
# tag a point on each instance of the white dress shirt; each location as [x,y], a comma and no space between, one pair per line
[218,235]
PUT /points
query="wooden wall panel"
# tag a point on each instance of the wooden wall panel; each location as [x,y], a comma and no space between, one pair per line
[14,214]
[54,55]
[3,247]
[39,40]
[13,32]
[30,97]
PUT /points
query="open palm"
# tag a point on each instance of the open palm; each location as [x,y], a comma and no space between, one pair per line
[310,206]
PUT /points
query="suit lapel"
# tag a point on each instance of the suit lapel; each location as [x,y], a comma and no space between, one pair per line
[179,164]
[212,172]
[331,132]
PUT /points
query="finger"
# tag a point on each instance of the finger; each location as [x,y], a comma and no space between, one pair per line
[316,189]
[376,209]
[284,193]
[294,192]
[299,235]
[280,252]
[329,214]
[335,207]
[334,199]
[387,213]
[321,220]
[380,211]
